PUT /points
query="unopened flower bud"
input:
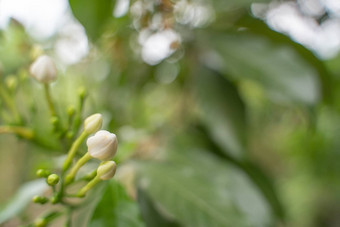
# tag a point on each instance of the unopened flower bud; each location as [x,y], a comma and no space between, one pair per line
[11,82]
[39,199]
[43,173]
[69,135]
[93,123]
[43,69]
[103,145]
[40,222]
[71,111]
[54,199]
[106,170]
[82,92]
[52,179]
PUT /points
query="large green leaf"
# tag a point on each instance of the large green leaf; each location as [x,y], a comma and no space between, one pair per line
[258,27]
[284,75]
[197,189]
[151,216]
[81,217]
[222,110]
[92,14]
[116,209]
[21,199]
[258,176]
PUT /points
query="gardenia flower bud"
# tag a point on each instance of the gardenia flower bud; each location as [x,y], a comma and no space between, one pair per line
[103,145]
[106,170]
[44,69]
[93,123]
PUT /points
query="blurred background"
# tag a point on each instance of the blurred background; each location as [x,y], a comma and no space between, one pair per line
[227,111]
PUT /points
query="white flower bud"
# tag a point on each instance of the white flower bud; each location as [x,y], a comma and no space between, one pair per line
[93,123]
[103,145]
[106,170]
[43,69]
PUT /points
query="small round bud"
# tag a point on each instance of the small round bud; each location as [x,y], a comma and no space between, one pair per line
[43,69]
[82,92]
[52,179]
[93,123]
[43,173]
[71,110]
[54,199]
[69,135]
[106,170]
[11,82]
[103,145]
[39,199]
[54,121]
[40,222]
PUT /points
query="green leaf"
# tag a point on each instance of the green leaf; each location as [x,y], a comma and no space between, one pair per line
[258,27]
[258,176]
[21,199]
[151,215]
[82,216]
[284,75]
[116,209]
[222,110]
[197,189]
[93,15]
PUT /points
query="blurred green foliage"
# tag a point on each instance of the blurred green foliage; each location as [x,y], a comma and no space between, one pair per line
[238,126]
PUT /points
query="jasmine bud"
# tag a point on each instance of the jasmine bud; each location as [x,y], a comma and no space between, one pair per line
[106,170]
[103,145]
[71,111]
[43,69]
[40,222]
[93,123]
[82,92]
[11,82]
[39,199]
[43,173]
[52,179]
[55,199]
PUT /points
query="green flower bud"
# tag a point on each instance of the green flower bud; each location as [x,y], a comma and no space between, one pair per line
[40,222]
[54,199]
[69,135]
[11,82]
[43,173]
[54,121]
[106,170]
[39,199]
[71,111]
[82,92]
[52,179]
[93,123]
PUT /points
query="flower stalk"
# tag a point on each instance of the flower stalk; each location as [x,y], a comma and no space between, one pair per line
[20,131]
[74,148]
[71,175]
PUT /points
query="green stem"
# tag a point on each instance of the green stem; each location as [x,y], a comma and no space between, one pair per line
[82,192]
[68,222]
[70,177]
[49,99]
[21,131]
[9,103]
[72,152]
[51,216]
